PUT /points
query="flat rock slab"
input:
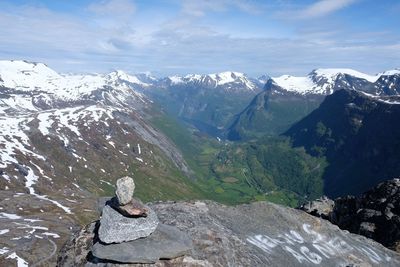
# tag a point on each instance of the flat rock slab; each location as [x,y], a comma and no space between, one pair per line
[116,228]
[167,242]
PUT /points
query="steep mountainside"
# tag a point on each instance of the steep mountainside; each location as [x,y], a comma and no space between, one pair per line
[63,140]
[258,234]
[359,136]
[287,99]
[271,113]
[207,102]
[374,214]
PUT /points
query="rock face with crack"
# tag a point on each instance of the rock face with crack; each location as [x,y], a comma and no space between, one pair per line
[257,234]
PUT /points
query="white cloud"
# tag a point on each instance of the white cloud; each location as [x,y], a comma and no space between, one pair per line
[199,8]
[324,7]
[115,8]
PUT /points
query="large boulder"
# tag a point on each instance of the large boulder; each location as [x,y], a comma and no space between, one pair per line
[116,228]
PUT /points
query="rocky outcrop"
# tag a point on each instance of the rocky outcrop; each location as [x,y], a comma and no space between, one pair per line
[321,207]
[257,234]
[375,214]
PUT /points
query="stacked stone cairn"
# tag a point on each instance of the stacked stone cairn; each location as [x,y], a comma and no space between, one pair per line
[130,231]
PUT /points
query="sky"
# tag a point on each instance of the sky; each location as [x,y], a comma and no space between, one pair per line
[167,37]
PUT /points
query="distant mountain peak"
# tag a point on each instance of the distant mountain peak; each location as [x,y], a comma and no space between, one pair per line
[390,72]
[334,72]
[326,81]
[122,75]
[228,80]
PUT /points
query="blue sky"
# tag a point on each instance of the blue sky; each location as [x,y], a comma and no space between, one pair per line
[203,36]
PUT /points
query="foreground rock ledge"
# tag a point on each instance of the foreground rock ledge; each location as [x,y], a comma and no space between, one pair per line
[166,242]
[257,234]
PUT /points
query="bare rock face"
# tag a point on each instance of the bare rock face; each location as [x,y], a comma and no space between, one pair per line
[375,214]
[257,234]
[116,228]
[125,189]
[321,207]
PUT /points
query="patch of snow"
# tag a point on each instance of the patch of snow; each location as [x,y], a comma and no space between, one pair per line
[112,143]
[33,220]
[20,261]
[31,179]
[139,149]
[332,73]
[139,159]
[10,216]
[4,250]
[110,184]
[5,176]
[175,79]
[390,72]
[51,234]
[300,85]
[4,231]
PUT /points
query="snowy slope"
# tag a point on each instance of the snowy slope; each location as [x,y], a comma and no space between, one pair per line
[65,138]
[35,98]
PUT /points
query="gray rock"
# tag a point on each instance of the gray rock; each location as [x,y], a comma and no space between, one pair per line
[257,234]
[374,214]
[125,189]
[167,242]
[321,207]
[116,228]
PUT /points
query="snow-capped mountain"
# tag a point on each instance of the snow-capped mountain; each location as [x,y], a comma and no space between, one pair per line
[228,81]
[65,138]
[50,88]
[326,81]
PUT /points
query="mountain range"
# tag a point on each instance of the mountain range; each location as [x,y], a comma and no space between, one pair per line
[287,99]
